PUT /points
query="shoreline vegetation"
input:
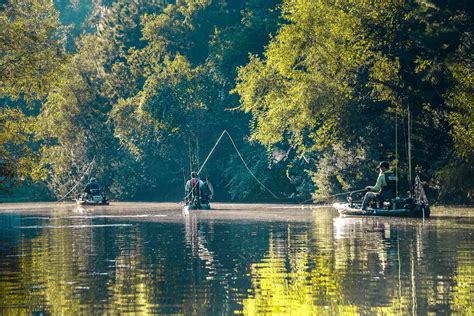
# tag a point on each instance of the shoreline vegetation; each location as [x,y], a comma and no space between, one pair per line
[314,93]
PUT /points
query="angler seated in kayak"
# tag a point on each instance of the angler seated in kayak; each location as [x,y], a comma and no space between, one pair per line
[92,188]
[197,191]
[384,189]
[92,194]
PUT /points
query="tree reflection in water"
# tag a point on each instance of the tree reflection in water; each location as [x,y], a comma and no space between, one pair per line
[363,265]
[320,265]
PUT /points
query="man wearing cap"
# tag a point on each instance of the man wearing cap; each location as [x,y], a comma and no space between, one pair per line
[384,188]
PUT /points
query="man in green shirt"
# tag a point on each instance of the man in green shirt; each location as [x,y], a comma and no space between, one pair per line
[384,188]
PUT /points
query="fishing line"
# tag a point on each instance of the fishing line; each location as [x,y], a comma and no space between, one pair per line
[80,180]
[212,150]
[241,158]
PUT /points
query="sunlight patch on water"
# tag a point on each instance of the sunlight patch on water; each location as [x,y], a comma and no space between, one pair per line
[117,216]
[73,226]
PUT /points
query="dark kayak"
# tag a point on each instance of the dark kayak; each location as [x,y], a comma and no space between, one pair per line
[417,210]
[94,200]
[191,207]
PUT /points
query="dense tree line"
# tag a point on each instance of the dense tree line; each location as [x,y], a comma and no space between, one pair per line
[313,92]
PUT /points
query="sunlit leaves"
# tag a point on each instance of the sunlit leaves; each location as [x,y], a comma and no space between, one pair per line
[31,54]
[311,68]
[31,48]
[462,119]
[337,70]
[18,160]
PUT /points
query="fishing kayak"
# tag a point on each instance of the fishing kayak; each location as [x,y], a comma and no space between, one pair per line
[94,200]
[418,210]
[191,207]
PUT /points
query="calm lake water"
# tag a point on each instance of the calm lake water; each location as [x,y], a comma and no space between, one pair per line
[240,259]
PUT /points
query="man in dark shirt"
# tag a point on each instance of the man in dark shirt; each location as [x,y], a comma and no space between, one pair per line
[93,187]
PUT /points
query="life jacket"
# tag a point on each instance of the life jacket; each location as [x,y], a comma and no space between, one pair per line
[389,190]
[194,182]
[195,188]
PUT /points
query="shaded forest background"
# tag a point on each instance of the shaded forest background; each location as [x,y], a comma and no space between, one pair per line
[315,94]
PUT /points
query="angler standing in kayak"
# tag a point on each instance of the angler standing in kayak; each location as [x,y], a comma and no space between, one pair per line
[384,188]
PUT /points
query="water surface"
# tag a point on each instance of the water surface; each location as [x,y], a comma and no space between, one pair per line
[239,259]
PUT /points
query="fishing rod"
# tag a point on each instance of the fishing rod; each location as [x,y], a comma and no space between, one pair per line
[88,170]
[184,181]
[356,191]
[338,194]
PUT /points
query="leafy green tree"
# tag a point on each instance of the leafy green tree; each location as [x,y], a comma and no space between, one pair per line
[148,87]
[338,74]
[31,54]
[31,49]
[461,99]
[75,130]
[181,109]
[18,160]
